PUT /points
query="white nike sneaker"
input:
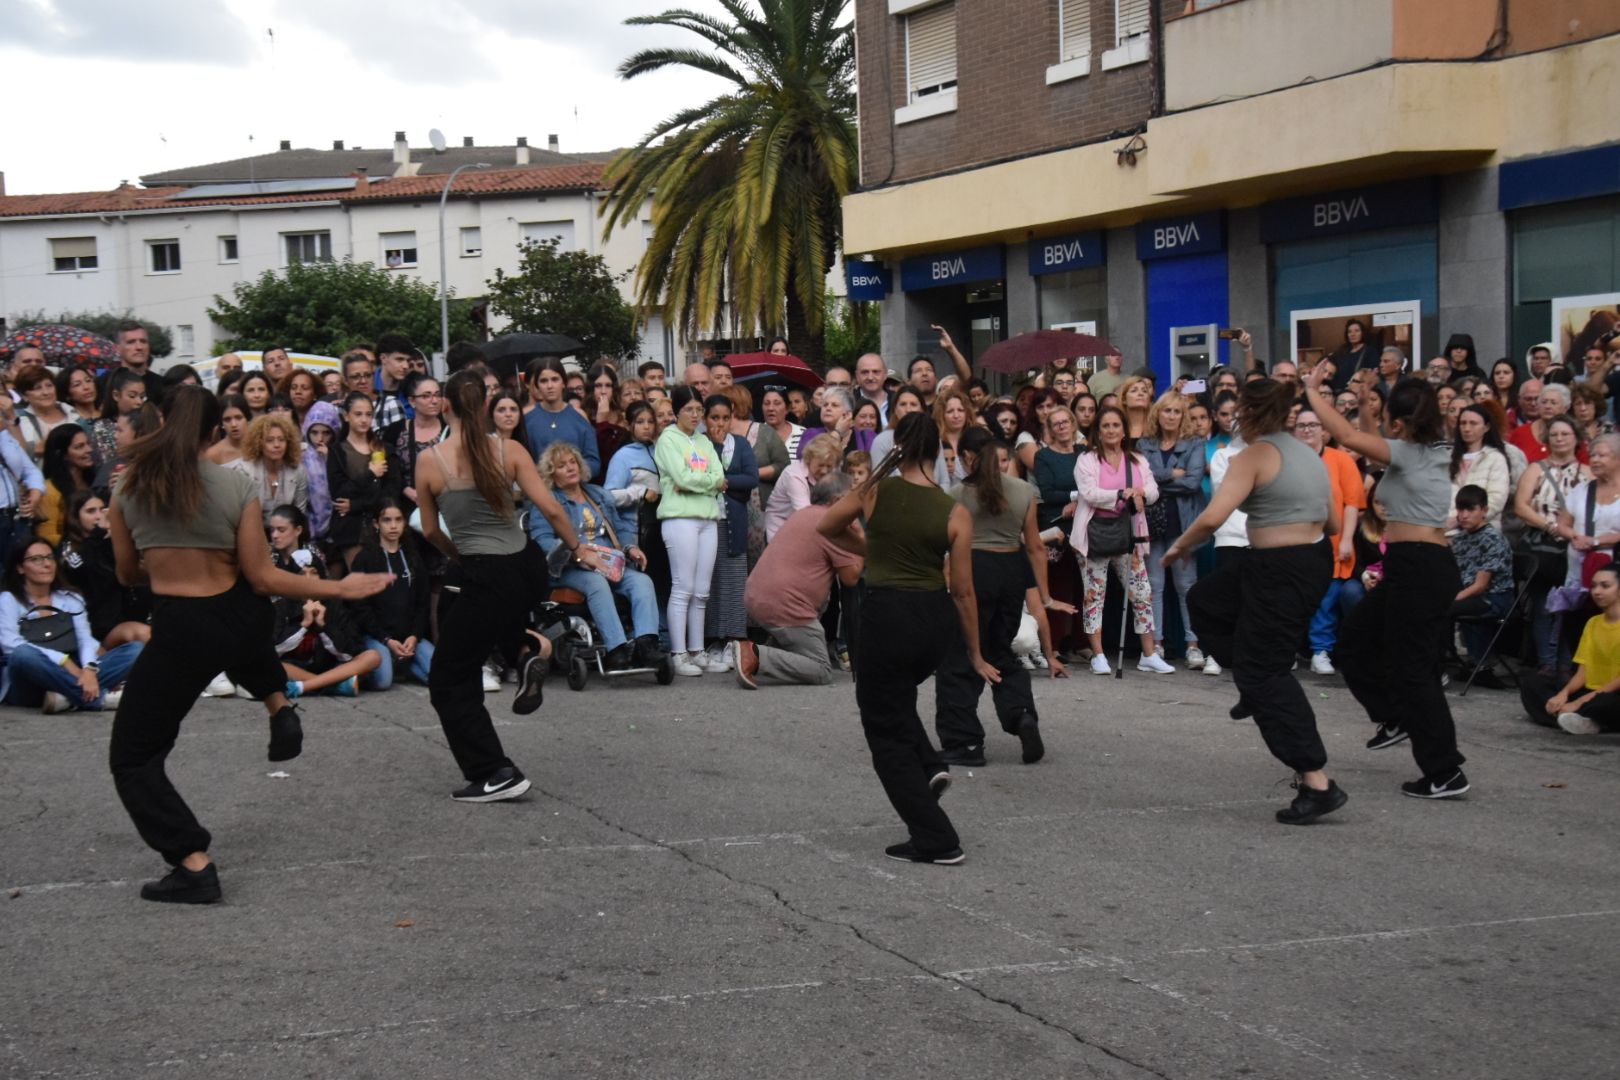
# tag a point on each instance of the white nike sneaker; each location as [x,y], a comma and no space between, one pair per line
[492,680]
[1576,724]
[1155,665]
[1195,658]
[220,687]
[1211,667]
[1321,664]
[1099,665]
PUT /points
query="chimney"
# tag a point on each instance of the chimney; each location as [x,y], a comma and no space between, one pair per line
[551,143]
[286,144]
[362,182]
[2,184]
[337,144]
[523,150]
[466,140]
[402,149]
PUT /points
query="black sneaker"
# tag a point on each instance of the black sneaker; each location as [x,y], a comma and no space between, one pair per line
[182,886]
[619,659]
[531,685]
[286,734]
[966,756]
[1447,787]
[1387,736]
[907,852]
[504,783]
[940,783]
[1310,804]
[647,651]
[1029,733]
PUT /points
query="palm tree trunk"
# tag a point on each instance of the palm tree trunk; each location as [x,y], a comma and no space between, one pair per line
[811,348]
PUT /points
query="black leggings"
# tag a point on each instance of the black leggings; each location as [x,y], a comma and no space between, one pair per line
[1392,646]
[498,593]
[1000,579]
[193,639]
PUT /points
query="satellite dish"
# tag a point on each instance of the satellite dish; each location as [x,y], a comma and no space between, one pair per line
[436,137]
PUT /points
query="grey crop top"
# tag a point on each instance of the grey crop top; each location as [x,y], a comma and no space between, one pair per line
[1416,488]
[1299,492]
[476,528]
[226,493]
[1006,529]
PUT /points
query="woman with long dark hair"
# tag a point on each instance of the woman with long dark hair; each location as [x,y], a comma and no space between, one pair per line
[360,472]
[117,615]
[466,481]
[1479,457]
[69,465]
[906,624]
[1008,559]
[194,530]
[1252,613]
[1393,644]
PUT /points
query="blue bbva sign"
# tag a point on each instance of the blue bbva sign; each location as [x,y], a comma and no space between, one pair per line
[953,268]
[1377,206]
[1193,234]
[867,280]
[1078,251]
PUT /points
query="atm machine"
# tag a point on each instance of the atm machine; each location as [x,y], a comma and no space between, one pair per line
[1194,350]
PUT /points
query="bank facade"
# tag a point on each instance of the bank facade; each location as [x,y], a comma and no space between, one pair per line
[1155,172]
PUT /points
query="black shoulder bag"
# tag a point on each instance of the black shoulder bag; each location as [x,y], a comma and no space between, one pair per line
[1107,537]
[52,630]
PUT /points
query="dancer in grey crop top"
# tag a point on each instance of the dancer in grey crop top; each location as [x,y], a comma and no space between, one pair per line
[1300,491]
[226,493]
[1416,487]
[476,527]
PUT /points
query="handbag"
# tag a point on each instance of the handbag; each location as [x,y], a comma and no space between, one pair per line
[1551,556]
[51,631]
[1107,537]
[1595,559]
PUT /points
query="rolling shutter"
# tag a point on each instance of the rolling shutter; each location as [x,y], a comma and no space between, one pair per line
[1132,18]
[1074,17]
[931,51]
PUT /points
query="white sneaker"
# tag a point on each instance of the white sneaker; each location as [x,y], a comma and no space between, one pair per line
[492,680]
[1155,664]
[110,700]
[687,663]
[1099,665]
[1321,664]
[716,661]
[1576,724]
[56,703]
[220,687]
[1211,667]
[1039,660]
[1195,658]
[1026,663]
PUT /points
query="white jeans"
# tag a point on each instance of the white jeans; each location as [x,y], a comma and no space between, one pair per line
[692,543]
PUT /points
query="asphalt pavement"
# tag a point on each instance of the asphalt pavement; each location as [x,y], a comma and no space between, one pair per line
[696,887]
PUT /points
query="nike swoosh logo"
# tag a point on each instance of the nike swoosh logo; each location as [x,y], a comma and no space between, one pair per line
[1435,789]
[490,790]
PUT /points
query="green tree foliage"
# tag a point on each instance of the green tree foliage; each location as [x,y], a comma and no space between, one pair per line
[325,307]
[746,188]
[104,323]
[566,292]
[852,330]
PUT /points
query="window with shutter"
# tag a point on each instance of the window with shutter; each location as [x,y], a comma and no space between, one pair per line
[73,253]
[1074,29]
[930,51]
[1132,18]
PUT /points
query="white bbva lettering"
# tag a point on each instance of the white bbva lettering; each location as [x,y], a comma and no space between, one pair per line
[1056,254]
[862,279]
[948,268]
[1339,211]
[1174,236]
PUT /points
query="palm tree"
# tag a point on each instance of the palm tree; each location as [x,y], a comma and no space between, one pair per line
[745,188]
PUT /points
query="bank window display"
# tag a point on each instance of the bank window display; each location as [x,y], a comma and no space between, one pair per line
[1371,270]
[1074,296]
[1562,251]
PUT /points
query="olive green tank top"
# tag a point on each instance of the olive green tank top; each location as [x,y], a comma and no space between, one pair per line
[226,493]
[476,527]
[907,536]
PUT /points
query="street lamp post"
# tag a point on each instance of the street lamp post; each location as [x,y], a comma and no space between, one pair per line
[444,261]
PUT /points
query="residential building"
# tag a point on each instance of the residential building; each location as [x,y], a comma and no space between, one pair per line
[1158,170]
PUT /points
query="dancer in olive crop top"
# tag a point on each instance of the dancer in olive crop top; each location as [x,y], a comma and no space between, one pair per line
[906,625]
[195,531]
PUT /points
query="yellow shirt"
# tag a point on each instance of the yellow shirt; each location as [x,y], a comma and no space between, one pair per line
[1599,651]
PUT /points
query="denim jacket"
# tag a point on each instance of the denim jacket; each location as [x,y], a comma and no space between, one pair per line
[623,525]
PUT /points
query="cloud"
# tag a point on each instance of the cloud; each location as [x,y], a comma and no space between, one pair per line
[435,43]
[186,30]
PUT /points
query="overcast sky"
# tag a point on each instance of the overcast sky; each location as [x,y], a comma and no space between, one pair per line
[105,90]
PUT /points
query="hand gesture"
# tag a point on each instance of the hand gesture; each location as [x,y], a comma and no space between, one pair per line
[945,341]
[1245,340]
[309,614]
[987,671]
[1058,671]
[318,611]
[1315,377]
[1556,703]
[89,685]
[409,647]
[360,586]
[396,647]
[379,469]
[1173,554]
[637,556]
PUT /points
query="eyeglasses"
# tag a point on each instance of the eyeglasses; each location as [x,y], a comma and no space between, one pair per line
[40,560]
[1308,426]
[428,396]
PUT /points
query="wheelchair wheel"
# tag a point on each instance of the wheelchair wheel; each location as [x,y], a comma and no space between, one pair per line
[666,672]
[579,672]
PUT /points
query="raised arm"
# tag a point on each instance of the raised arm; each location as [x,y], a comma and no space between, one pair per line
[964,370]
[253,556]
[1368,444]
[1235,486]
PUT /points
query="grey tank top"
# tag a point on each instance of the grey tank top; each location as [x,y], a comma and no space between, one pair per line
[1416,487]
[476,528]
[1299,492]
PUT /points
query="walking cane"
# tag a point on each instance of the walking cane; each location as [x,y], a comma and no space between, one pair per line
[1125,610]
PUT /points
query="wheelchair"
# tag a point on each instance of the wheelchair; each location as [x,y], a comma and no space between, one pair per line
[577,647]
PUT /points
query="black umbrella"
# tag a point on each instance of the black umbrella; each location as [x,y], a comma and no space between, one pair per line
[509,353]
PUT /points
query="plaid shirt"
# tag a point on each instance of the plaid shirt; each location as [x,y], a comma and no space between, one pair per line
[1484,549]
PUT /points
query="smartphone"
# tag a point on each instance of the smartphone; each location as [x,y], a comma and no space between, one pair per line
[1231,335]
[1194,386]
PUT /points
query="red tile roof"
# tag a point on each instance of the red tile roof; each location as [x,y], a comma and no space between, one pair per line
[472,183]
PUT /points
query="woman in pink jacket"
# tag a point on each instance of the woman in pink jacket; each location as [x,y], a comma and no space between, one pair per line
[1112,480]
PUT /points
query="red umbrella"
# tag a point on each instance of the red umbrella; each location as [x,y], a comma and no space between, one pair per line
[1037,348]
[756,366]
[62,345]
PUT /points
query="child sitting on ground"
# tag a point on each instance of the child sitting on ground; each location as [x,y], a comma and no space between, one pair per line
[1589,703]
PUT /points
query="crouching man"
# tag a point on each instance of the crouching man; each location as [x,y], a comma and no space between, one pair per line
[786,592]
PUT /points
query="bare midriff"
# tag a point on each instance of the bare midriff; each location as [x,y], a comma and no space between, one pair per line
[1404,532]
[190,571]
[1290,535]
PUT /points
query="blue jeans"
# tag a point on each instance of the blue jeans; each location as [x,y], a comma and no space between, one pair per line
[1325,623]
[33,674]
[636,586]
[1184,575]
[383,677]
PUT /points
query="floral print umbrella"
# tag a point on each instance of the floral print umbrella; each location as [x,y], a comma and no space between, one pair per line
[62,345]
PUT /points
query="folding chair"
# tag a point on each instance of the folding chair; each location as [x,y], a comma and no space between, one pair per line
[1524,570]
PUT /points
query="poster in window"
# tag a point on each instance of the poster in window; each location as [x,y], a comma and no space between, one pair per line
[1579,322]
[1355,335]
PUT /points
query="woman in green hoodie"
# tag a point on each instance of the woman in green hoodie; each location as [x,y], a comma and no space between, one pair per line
[689,512]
